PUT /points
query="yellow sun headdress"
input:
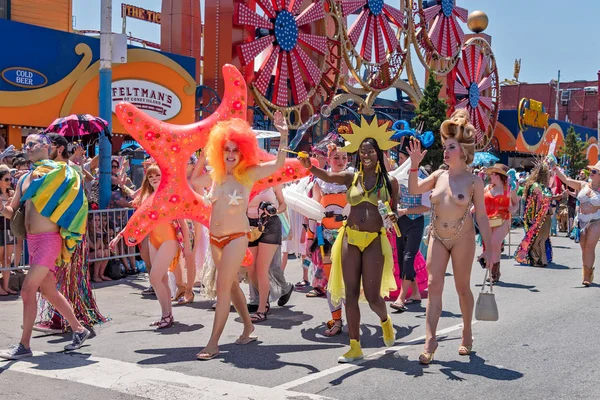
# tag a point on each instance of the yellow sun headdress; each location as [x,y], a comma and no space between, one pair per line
[380,134]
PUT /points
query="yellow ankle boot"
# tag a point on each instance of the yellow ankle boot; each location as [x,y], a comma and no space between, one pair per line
[389,333]
[355,353]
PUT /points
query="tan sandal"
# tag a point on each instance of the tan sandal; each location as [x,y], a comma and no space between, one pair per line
[588,276]
[180,292]
[464,350]
[181,301]
[335,327]
[426,358]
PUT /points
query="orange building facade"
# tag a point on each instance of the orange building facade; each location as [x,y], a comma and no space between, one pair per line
[51,73]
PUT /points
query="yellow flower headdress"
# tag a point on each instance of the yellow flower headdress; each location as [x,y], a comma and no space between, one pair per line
[359,133]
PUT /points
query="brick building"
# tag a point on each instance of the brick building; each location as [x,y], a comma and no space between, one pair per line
[579,101]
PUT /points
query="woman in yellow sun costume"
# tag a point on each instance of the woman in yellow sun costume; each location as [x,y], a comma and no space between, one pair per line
[361,254]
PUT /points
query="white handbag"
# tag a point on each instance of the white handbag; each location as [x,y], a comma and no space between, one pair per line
[486,308]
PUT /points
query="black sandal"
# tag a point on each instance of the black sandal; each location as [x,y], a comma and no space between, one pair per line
[258,317]
[301,284]
[316,292]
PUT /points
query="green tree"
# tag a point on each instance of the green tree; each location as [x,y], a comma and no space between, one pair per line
[432,112]
[573,151]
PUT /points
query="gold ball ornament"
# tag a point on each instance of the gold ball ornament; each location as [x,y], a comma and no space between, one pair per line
[478,21]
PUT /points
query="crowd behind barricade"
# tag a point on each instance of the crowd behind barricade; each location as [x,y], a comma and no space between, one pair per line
[102,224]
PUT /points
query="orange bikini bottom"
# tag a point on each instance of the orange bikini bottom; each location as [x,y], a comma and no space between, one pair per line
[222,241]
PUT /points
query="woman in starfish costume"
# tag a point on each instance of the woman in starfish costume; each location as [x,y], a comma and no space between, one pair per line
[362,251]
[164,249]
[233,154]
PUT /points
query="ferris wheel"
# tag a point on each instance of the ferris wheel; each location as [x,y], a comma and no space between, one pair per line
[437,33]
[477,88]
[301,55]
[376,43]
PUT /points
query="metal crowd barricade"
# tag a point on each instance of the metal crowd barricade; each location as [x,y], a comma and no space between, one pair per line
[103,226]
[11,249]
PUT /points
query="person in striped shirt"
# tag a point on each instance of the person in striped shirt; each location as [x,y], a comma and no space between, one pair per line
[411,222]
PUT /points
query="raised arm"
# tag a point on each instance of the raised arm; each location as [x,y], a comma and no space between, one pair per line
[268,168]
[278,189]
[575,184]
[416,156]
[341,178]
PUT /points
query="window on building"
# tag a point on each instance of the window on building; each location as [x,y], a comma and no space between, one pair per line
[4,7]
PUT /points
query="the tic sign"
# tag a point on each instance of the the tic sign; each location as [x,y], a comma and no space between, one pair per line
[24,77]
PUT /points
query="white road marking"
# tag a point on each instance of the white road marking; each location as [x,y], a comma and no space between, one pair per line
[370,357]
[150,383]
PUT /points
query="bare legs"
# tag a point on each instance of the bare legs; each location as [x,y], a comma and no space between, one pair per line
[5,252]
[259,273]
[462,253]
[436,269]
[352,264]
[227,262]
[159,279]
[41,278]
[589,240]
[498,235]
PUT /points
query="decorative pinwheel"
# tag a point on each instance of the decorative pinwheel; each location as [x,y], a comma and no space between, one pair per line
[376,42]
[300,66]
[476,87]
[437,34]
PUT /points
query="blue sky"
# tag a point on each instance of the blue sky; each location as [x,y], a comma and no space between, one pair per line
[546,35]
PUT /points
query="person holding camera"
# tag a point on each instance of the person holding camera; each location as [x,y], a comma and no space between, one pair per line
[262,214]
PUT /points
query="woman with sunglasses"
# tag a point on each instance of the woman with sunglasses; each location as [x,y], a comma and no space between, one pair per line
[589,216]
[6,238]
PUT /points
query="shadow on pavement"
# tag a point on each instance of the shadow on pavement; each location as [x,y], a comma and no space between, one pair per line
[283,318]
[477,366]
[394,362]
[553,265]
[176,329]
[251,356]
[55,361]
[531,288]
[370,335]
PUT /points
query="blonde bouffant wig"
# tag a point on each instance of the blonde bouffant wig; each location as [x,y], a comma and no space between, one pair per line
[459,128]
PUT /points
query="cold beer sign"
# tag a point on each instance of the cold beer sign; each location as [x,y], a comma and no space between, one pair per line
[26,78]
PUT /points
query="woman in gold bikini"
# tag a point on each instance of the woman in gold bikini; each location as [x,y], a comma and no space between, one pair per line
[232,152]
[362,251]
[454,191]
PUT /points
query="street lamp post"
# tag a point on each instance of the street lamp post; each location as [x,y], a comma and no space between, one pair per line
[105,100]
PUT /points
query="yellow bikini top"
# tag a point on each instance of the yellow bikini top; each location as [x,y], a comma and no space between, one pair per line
[355,196]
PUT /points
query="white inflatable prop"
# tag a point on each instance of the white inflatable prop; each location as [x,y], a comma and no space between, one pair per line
[303,205]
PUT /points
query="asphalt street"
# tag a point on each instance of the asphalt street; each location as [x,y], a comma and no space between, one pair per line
[544,346]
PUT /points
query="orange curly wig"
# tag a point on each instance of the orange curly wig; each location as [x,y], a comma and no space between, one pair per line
[239,132]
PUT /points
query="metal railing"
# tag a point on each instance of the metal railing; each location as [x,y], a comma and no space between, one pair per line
[11,249]
[102,227]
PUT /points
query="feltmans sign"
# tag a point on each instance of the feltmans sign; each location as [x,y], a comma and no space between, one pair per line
[158,101]
[24,77]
